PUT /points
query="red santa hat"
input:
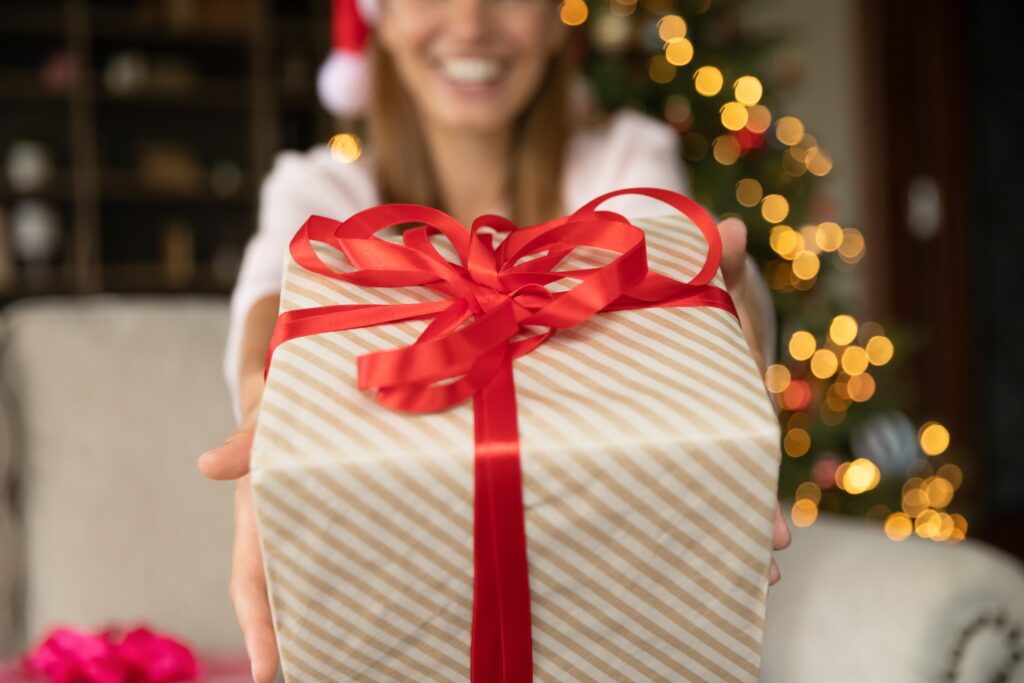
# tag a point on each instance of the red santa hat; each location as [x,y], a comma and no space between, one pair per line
[343,81]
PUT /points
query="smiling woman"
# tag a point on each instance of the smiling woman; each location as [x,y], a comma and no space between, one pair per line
[468,112]
[447,72]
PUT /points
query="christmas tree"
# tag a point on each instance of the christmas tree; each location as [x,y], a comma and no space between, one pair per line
[849,444]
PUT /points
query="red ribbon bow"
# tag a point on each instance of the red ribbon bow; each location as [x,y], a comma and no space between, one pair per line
[502,294]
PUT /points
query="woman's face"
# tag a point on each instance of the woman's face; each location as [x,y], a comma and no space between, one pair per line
[470,65]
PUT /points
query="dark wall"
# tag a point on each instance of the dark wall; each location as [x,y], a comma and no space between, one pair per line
[995,142]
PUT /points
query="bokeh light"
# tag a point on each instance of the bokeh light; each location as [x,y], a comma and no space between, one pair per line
[573,12]
[802,345]
[734,116]
[828,236]
[952,474]
[806,265]
[747,90]
[927,524]
[817,161]
[809,491]
[861,387]
[671,28]
[785,241]
[759,119]
[854,360]
[824,363]
[345,147]
[898,526]
[824,472]
[789,130]
[879,349]
[803,513]
[708,80]
[679,53]
[774,208]
[797,395]
[725,149]
[934,438]
[776,378]
[797,442]
[861,475]
[939,491]
[852,248]
[792,162]
[748,192]
[843,329]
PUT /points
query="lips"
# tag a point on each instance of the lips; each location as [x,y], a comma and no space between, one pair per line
[471,71]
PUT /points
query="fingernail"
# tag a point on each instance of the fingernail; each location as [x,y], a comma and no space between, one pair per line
[208,454]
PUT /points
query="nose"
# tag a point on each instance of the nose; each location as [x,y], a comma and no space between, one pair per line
[468,19]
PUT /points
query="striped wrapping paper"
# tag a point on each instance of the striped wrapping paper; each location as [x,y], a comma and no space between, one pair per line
[650,455]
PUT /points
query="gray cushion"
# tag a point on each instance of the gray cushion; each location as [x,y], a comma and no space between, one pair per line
[115,397]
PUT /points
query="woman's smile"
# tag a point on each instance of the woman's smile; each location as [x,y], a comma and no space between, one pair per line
[471,75]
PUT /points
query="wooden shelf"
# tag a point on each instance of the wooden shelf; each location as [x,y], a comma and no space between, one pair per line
[207,95]
[127,27]
[23,86]
[32,19]
[58,188]
[236,106]
[152,277]
[122,191]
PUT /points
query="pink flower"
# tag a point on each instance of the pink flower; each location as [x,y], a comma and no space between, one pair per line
[140,656]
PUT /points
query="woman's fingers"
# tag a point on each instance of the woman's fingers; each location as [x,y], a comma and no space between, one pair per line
[248,589]
[773,573]
[229,461]
[781,537]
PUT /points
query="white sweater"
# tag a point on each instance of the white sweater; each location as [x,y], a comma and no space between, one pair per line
[631,149]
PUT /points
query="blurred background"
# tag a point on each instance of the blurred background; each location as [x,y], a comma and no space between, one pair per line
[872,147]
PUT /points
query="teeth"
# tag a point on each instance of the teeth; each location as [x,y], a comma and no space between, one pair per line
[470,69]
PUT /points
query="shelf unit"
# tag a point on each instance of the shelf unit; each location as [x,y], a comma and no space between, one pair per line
[224,84]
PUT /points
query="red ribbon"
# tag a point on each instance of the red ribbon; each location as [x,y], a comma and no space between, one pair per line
[500,295]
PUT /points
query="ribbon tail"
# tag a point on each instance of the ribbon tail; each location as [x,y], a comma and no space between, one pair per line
[501,648]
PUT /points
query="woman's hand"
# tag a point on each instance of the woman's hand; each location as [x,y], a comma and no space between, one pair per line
[734,256]
[248,588]
[781,539]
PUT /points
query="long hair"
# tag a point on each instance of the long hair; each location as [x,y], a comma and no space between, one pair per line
[403,164]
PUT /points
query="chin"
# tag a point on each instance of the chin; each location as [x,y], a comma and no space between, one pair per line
[482,122]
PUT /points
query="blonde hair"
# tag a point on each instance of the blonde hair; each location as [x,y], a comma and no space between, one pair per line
[403,165]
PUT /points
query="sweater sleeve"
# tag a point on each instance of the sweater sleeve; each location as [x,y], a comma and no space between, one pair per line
[298,185]
[630,150]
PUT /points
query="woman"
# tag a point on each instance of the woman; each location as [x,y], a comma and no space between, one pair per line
[467,113]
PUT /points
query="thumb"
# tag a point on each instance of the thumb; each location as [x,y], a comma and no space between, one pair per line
[734,250]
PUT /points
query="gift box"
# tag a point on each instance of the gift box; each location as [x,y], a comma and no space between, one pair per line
[499,453]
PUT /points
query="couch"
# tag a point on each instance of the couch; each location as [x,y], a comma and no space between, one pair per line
[106,401]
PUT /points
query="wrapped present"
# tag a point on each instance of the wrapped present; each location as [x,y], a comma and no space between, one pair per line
[498,453]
